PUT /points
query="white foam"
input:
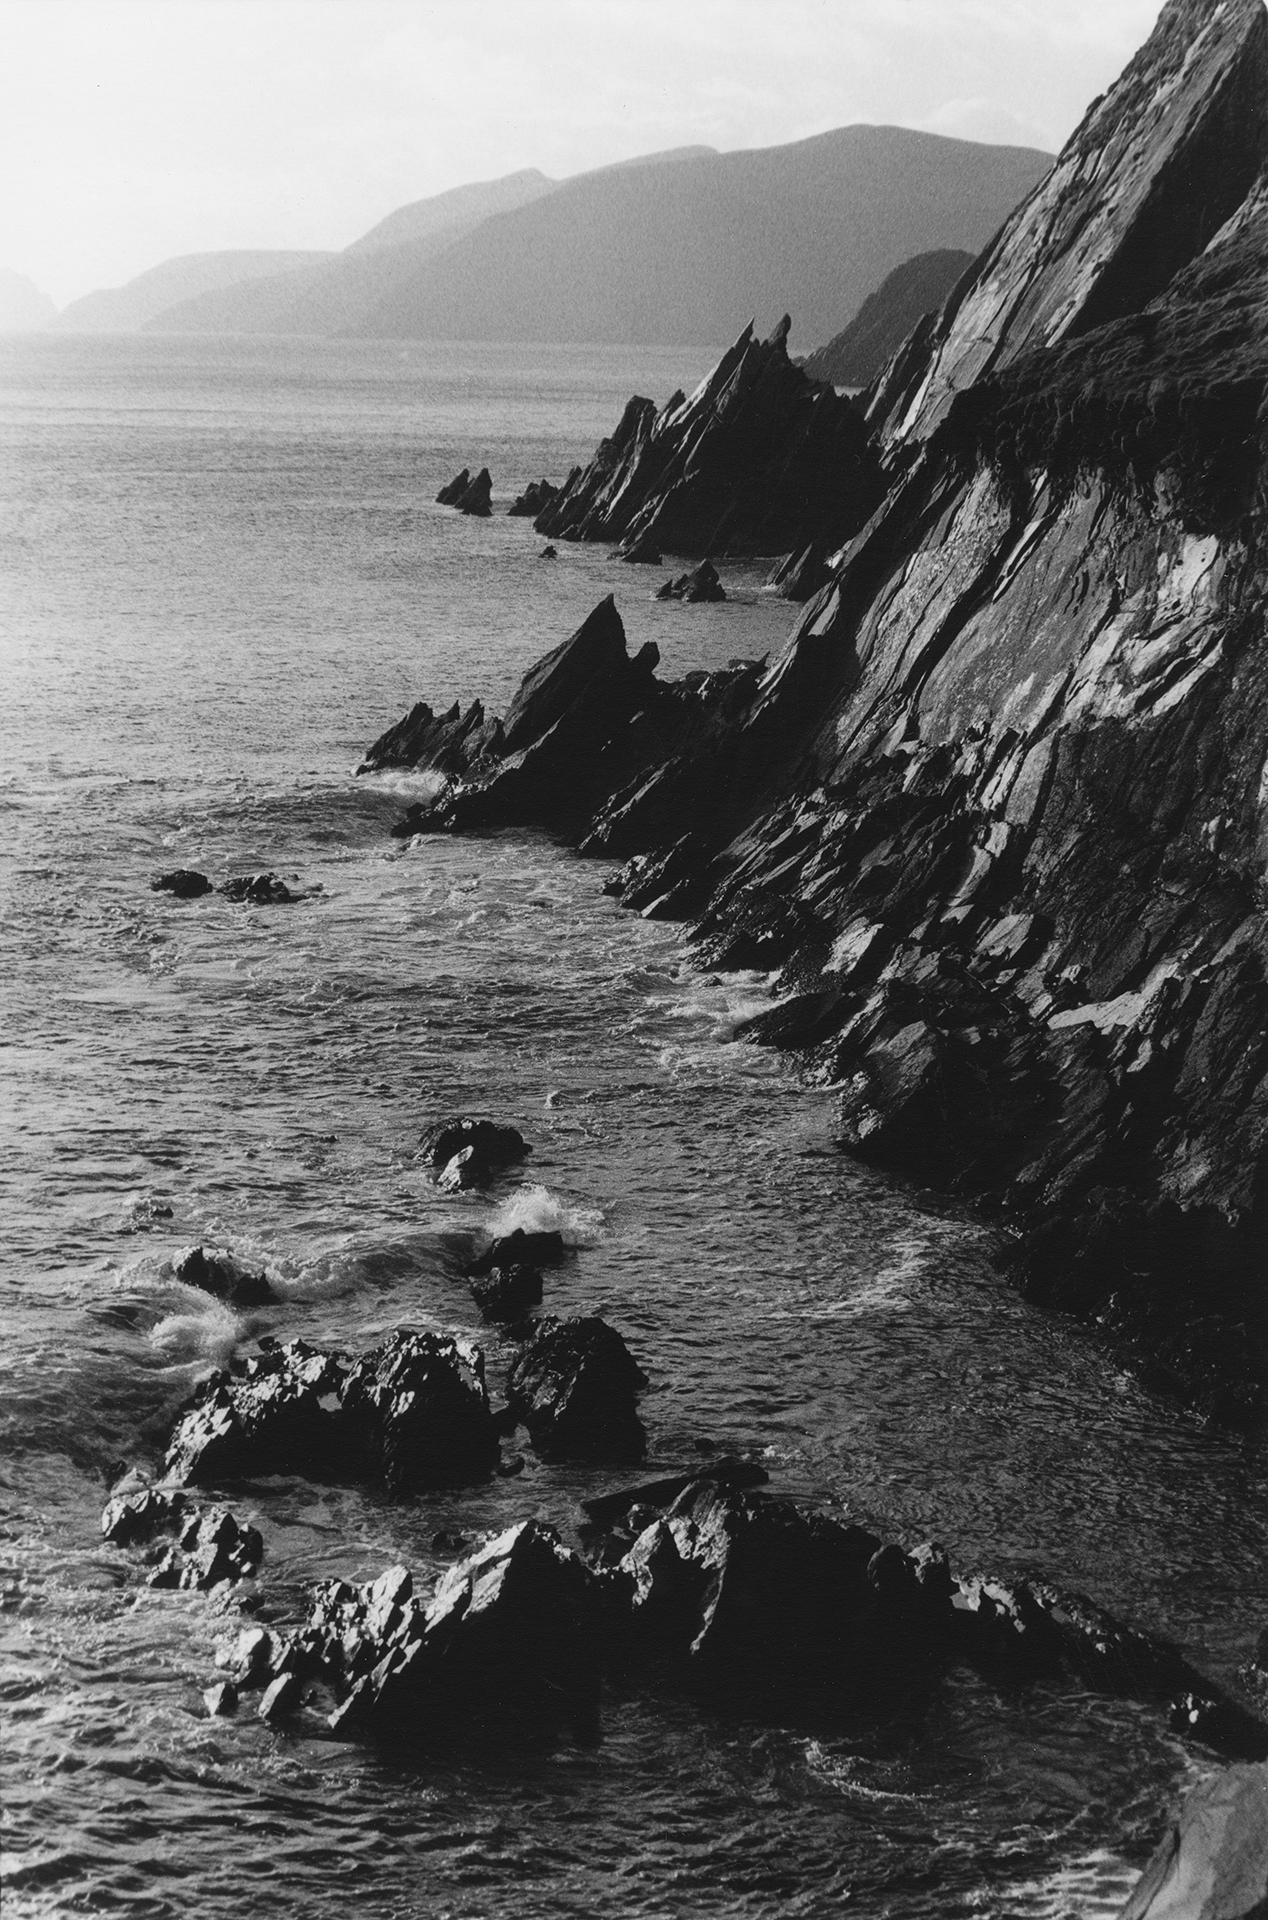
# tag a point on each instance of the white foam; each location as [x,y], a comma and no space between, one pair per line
[209,1335]
[537,1210]
[409,781]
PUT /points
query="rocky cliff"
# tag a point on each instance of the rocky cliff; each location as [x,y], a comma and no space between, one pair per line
[997,817]
[854,357]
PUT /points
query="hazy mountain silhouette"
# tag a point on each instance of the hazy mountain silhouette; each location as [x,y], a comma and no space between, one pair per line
[124,309]
[23,308]
[675,247]
[461,207]
[887,316]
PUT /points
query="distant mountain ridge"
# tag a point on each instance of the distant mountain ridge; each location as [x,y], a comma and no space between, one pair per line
[886,317]
[127,308]
[24,307]
[674,247]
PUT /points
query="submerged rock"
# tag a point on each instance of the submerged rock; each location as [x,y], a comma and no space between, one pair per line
[419,1408]
[184,882]
[1212,1863]
[217,1273]
[258,890]
[575,1387]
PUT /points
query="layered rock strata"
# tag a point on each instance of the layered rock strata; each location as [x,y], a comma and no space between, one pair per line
[997,816]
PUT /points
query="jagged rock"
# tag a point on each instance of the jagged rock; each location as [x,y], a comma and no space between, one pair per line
[640,552]
[777,1607]
[477,499]
[443,743]
[492,1146]
[759,459]
[1015,745]
[575,1387]
[506,1293]
[184,882]
[612,1510]
[504,1648]
[248,1658]
[450,495]
[280,1697]
[272,1418]
[258,890]
[420,1408]
[519,1249]
[800,576]
[210,1546]
[217,1273]
[1212,1863]
[701,583]
[221,1700]
[549,553]
[535,498]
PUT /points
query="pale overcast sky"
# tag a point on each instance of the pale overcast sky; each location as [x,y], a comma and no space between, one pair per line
[132,130]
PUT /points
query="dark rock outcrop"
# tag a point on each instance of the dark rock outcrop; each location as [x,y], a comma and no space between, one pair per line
[549,553]
[1212,1863]
[443,743]
[854,357]
[451,493]
[505,1647]
[258,890]
[575,1387]
[759,459]
[507,1292]
[536,497]
[800,576]
[273,1417]
[185,882]
[520,1247]
[641,551]
[477,499]
[996,814]
[419,1409]
[490,1146]
[701,583]
[218,1274]
[206,1546]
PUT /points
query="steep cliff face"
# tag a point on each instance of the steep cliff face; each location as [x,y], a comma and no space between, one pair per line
[998,814]
[854,357]
[759,459]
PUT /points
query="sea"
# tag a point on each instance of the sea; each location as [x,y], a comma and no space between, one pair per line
[222,575]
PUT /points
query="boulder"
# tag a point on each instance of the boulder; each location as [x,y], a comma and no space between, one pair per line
[575,1387]
[450,494]
[1212,1862]
[258,890]
[419,1409]
[507,1293]
[272,1417]
[701,583]
[519,1249]
[535,498]
[490,1146]
[184,882]
[215,1272]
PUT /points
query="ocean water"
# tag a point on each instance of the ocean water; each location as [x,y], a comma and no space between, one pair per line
[221,576]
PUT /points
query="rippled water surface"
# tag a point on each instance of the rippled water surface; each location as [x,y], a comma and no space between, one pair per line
[220,577]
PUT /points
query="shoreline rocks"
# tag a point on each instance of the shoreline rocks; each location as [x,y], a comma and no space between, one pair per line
[575,1387]
[1212,1863]
[700,584]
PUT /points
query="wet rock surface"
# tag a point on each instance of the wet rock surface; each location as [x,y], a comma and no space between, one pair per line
[215,1272]
[468,1152]
[258,890]
[995,816]
[184,882]
[278,1415]
[507,1292]
[575,1387]
[189,1545]
[419,1409]
[1212,1864]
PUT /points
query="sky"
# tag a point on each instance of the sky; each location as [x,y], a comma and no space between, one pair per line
[134,130]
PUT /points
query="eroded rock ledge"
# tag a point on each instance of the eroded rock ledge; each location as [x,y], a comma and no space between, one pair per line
[997,816]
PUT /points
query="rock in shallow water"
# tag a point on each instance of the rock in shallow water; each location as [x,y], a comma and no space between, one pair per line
[469,1151]
[258,890]
[575,1387]
[184,882]
[210,1546]
[217,1273]
[419,1408]
[507,1292]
